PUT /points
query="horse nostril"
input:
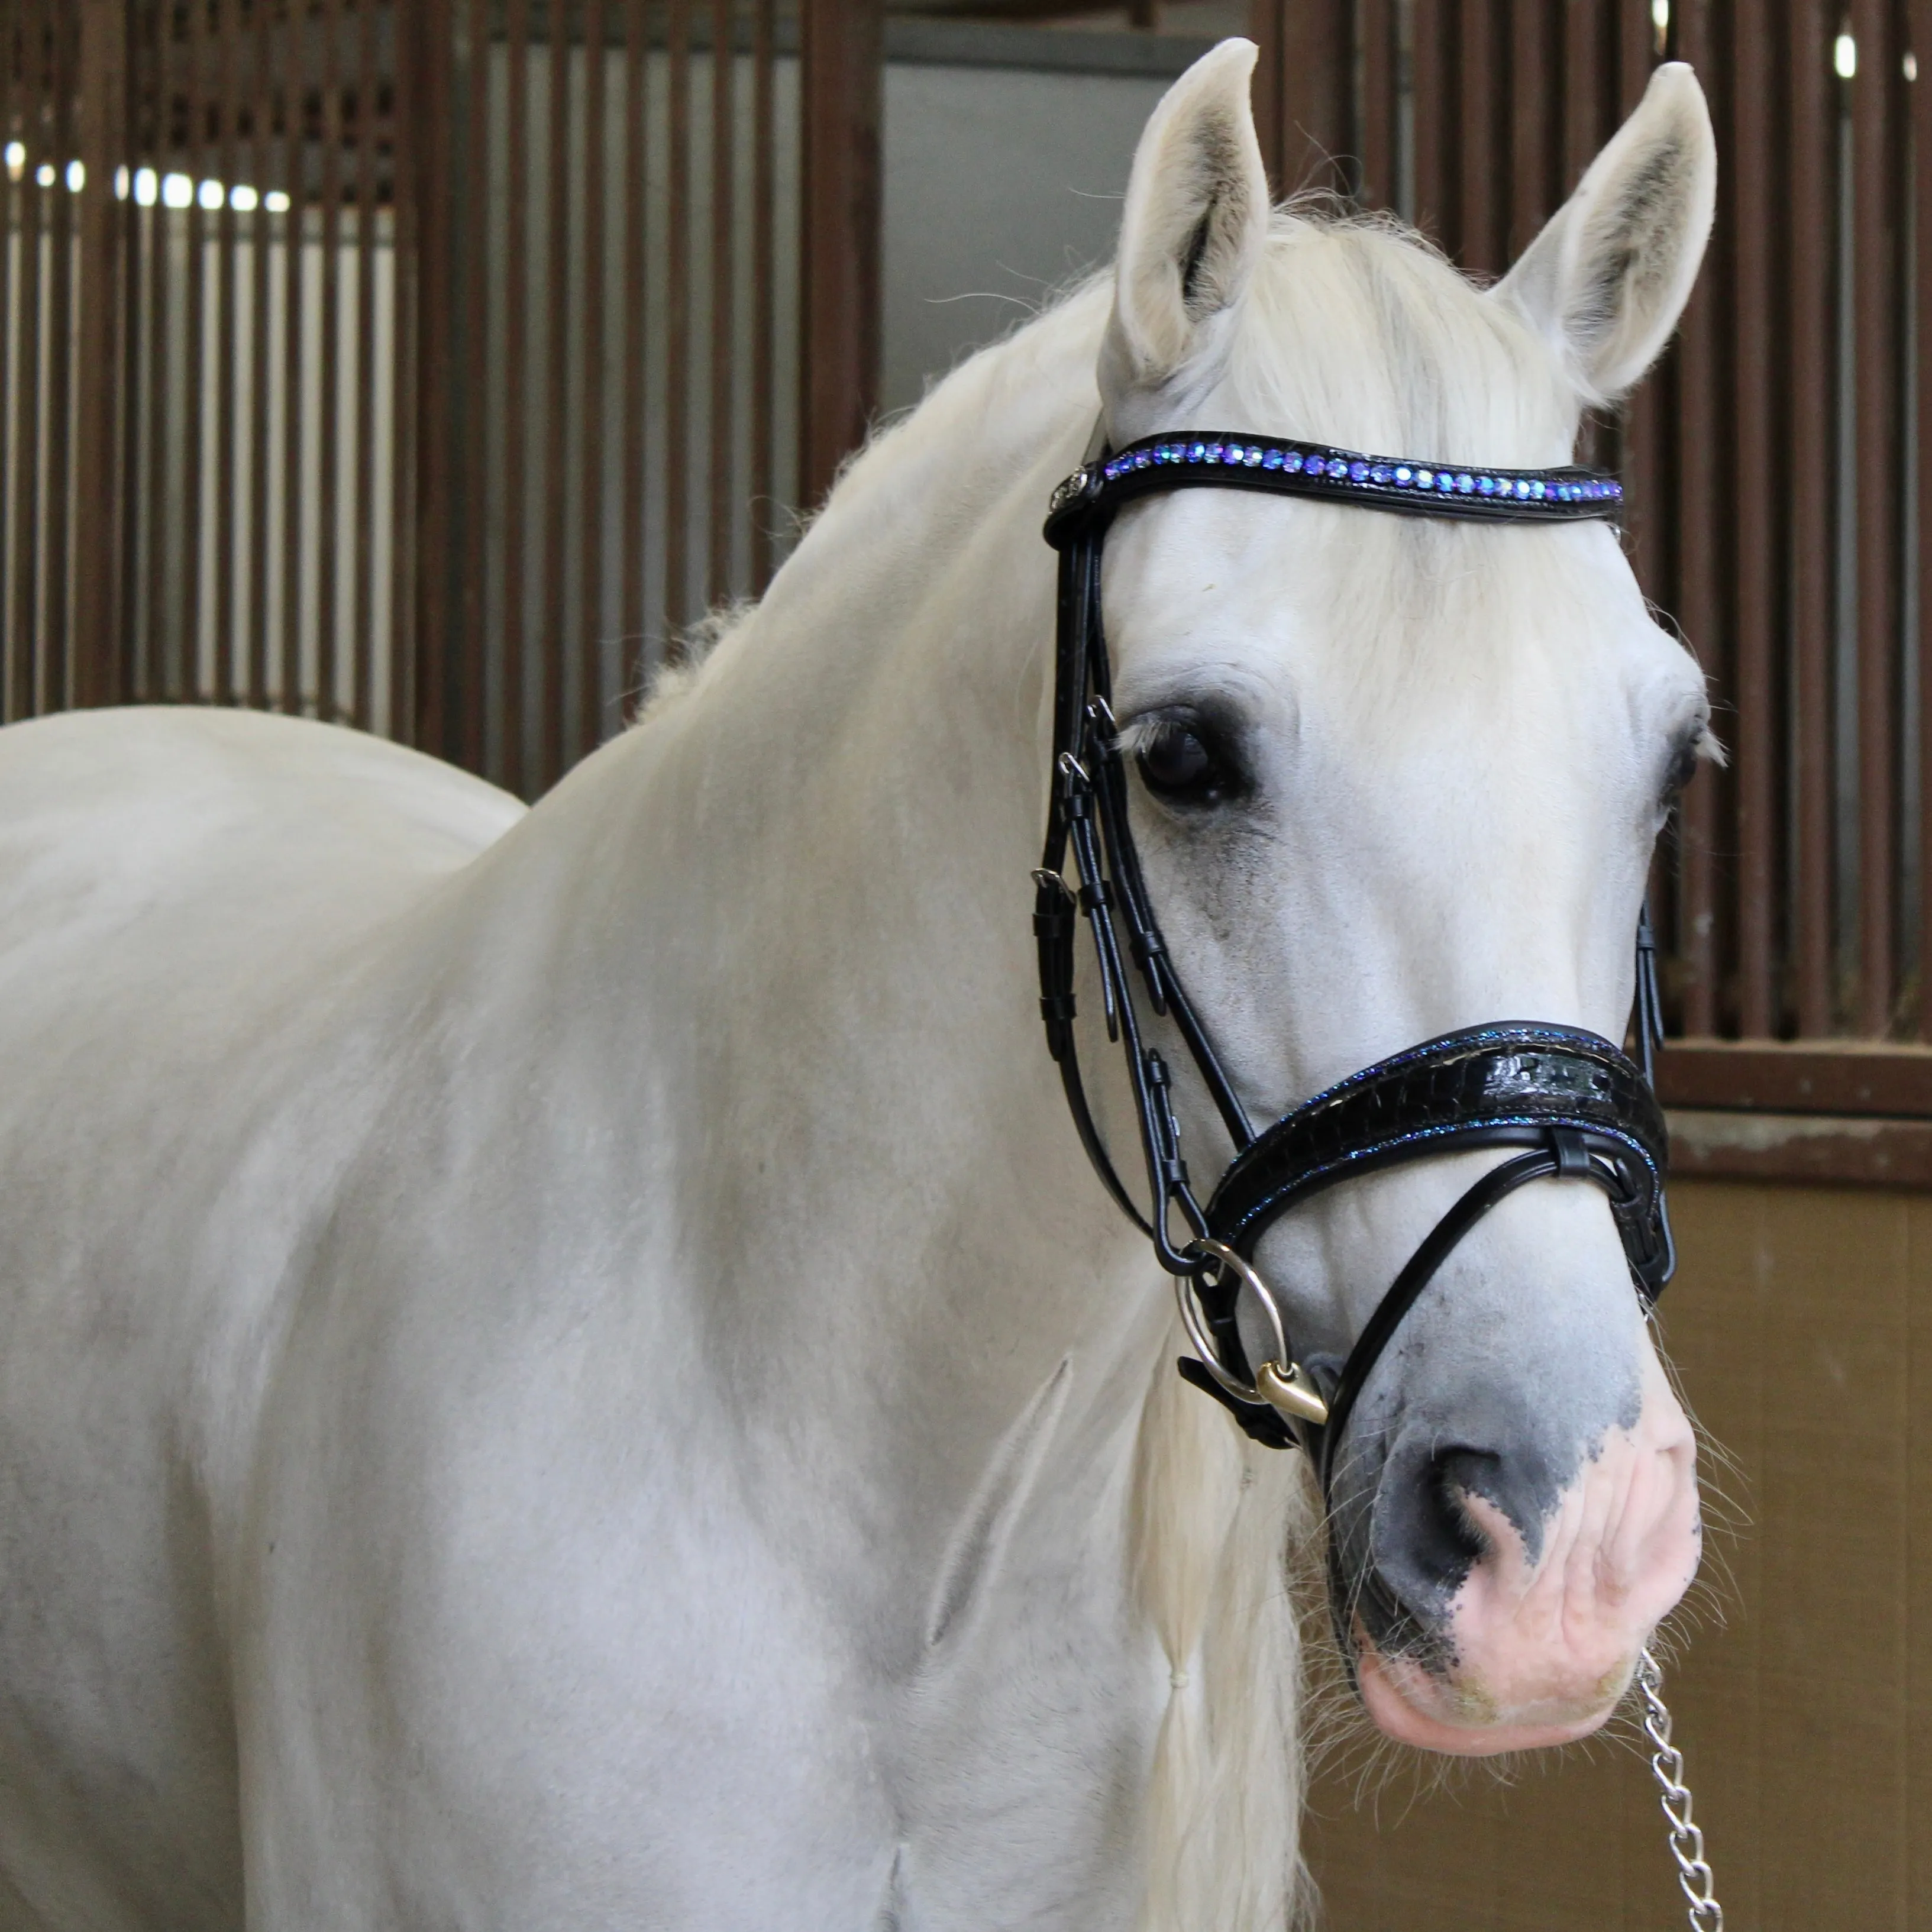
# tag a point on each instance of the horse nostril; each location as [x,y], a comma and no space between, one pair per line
[1426,1545]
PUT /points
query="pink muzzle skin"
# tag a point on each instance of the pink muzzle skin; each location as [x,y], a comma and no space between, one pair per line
[1543,1652]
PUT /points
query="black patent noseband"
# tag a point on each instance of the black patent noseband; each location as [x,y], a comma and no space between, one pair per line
[1572,1104]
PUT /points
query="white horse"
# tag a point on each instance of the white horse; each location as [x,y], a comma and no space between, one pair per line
[567,1369]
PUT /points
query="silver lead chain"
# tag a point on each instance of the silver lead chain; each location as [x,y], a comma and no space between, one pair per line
[1666,1764]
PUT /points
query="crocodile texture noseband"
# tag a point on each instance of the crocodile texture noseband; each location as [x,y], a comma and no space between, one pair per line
[1571,1105]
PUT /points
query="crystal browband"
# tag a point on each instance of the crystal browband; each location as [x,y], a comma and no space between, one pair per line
[1313,469]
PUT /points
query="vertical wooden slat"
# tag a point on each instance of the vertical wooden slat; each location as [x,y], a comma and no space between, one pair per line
[99,526]
[1751,486]
[329,372]
[558,349]
[1919,97]
[1530,198]
[677,322]
[1376,52]
[420,73]
[261,93]
[1478,248]
[151,643]
[296,14]
[843,66]
[228,30]
[1317,65]
[455,413]
[363,518]
[516,414]
[1813,145]
[636,189]
[12,385]
[1266,27]
[722,440]
[764,196]
[184,672]
[57,666]
[590,562]
[1641,425]
[24,481]
[1874,298]
[1432,27]
[1697,593]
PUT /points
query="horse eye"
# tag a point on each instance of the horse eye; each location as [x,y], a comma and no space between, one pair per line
[1177,763]
[1683,768]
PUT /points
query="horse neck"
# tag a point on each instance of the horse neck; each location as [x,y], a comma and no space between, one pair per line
[828,832]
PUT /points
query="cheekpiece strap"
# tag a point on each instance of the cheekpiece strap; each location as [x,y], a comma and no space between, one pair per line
[1403,484]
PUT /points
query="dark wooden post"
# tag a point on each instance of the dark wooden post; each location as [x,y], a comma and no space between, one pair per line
[99,522]
[1304,92]
[843,82]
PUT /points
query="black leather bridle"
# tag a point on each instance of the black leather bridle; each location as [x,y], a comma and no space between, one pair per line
[1573,1104]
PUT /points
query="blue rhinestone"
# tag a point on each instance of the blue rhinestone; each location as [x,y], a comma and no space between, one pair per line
[1404,475]
[1213,452]
[1253,458]
[1142,458]
[1358,472]
[1292,460]
[1616,491]
[1424,478]
[1443,481]
[1337,467]
[1522,487]
[1197,452]
[1234,453]
[1272,461]
[1539,489]
[1380,473]
[1485,486]
[1465,482]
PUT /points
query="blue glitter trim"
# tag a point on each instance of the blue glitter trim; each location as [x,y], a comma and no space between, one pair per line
[1347,474]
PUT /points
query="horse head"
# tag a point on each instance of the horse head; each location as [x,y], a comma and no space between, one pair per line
[1390,777]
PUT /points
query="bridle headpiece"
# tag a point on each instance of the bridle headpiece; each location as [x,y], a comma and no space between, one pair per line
[1573,1104]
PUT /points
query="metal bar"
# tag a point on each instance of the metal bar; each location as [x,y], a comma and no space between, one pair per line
[57,662]
[516,411]
[328,556]
[721,444]
[843,66]
[1751,489]
[1698,604]
[1812,141]
[100,527]
[261,94]
[295,131]
[590,591]
[677,326]
[364,513]
[637,182]
[764,196]
[1875,290]
[553,643]
[1640,425]
[226,361]
[184,679]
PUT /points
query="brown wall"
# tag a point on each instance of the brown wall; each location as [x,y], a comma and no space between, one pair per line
[1801,1322]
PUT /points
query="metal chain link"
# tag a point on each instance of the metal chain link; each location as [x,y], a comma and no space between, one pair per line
[1666,1764]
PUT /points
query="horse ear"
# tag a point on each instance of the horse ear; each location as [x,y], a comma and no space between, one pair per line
[1605,281]
[1192,229]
